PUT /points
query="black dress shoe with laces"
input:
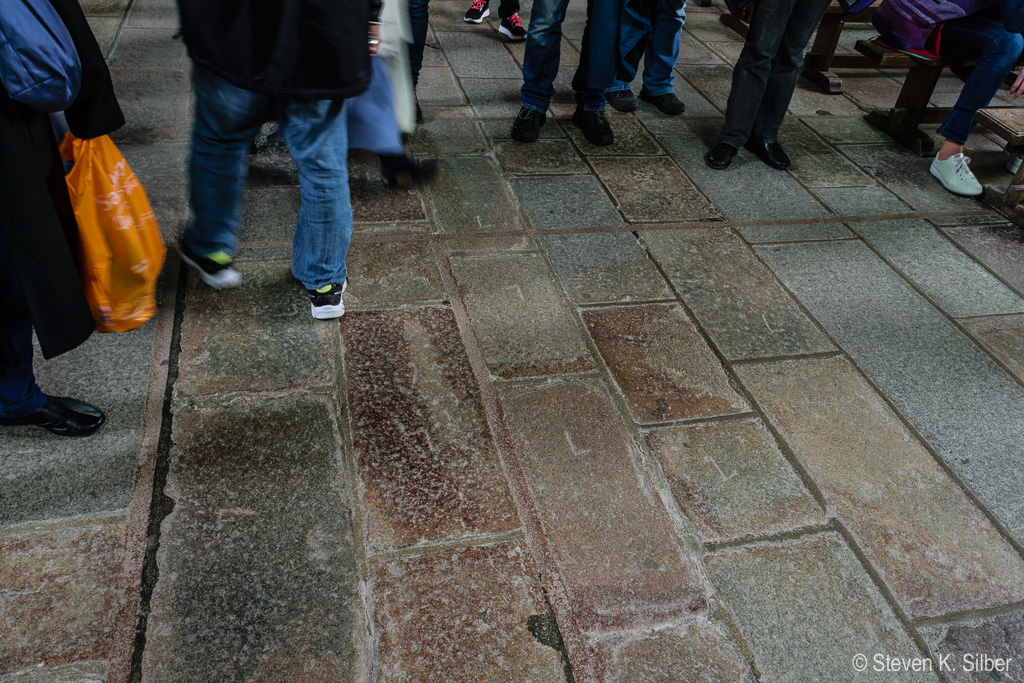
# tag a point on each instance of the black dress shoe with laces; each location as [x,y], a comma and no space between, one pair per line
[594,125]
[667,103]
[63,416]
[720,156]
[770,153]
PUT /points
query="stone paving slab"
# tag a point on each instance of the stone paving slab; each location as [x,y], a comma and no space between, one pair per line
[462,615]
[57,591]
[247,591]
[662,365]
[390,274]
[955,282]
[960,400]
[806,607]
[731,480]
[150,48]
[1003,336]
[734,297]
[545,202]
[696,653]
[155,105]
[604,268]
[816,163]
[470,195]
[652,189]
[429,467]
[964,646]
[477,54]
[935,550]
[447,132]
[523,325]
[496,98]
[1000,247]
[761,234]
[272,342]
[79,672]
[543,157]
[630,139]
[861,201]
[613,543]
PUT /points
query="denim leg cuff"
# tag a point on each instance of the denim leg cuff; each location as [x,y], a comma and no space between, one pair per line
[535,107]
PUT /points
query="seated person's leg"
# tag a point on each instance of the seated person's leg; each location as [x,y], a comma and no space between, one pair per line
[996,51]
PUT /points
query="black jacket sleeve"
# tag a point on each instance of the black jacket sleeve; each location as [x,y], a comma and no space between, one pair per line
[375,6]
[95,111]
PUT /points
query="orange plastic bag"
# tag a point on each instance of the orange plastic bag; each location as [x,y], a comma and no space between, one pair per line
[121,248]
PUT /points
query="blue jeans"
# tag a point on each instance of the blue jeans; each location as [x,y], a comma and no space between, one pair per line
[996,50]
[662,46]
[418,19]
[19,393]
[226,121]
[596,70]
[768,68]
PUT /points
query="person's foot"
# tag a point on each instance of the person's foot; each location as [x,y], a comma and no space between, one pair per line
[720,156]
[526,127]
[478,12]
[621,100]
[326,302]
[955,175]
[404,172]
[666,103]
[512,27]
[62,416]
[594,125]
[770,153]
[216,268]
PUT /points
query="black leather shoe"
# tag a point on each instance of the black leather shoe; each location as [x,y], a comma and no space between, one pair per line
[666,104]
[63,416]
[720,156]
[403,172]
[770,153]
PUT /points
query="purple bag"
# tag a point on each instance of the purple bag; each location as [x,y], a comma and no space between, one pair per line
[849,6]
[907,24]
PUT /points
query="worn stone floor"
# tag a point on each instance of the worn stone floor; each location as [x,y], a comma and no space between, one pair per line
[593,414]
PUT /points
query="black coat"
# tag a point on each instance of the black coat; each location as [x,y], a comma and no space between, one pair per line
[35,212]
[301,49]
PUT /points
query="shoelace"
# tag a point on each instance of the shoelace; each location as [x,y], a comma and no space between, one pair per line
[601,117]
[962,168]
[526,114]
[514,19]
[479,4]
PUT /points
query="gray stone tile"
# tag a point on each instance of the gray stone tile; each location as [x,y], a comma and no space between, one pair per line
[448,131]
[712,82]
[964,404]
[1004,337]
[545,201]
[653,189]
[630,138]
[602,268]
[155,104]
[999,246]
[956,283]
[816,163]
[807,607]
[470,195]
[77,672]
[845,131]
[767,194]
[153,14]
[796,233]
[244,588]
[478,55]
[543,157]
[149,48]
[438,86]
[398,273]
[509,298]
[861,201]
[735,298]
[105,30]
[908,176]
[496,97]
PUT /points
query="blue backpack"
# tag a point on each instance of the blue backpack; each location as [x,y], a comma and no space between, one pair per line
[39,65]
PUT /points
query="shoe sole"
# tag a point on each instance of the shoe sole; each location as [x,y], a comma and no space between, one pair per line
[951,190]
[508,34]
[483,16]
[328,312]
[217,283]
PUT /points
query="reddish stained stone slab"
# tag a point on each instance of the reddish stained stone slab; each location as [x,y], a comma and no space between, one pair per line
[653,189]
[696,653]
[1004,337]
[1000,247]
[57,591]
[461,616]
[609,535]
[932,546]
[999,636]
[428,464]
[731,480]
[665,368]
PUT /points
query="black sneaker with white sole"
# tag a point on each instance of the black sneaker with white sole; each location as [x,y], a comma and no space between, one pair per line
[216,268]
[326,302]
[512,27]
[478,12]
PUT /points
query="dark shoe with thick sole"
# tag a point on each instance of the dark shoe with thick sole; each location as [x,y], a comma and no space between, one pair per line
[621,100]
[526,127]
[62,416]
[595,126]
[720,156]
[666,103]
[403,172]
[770,153]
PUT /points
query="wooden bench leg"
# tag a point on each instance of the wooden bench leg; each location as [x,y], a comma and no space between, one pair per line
[739,22]
[819,60]
[902,121]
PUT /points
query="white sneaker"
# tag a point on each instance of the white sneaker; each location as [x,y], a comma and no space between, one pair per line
[326,303]
[955,175]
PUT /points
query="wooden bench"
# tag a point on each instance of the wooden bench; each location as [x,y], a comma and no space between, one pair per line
[822,57]
[1007,123]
